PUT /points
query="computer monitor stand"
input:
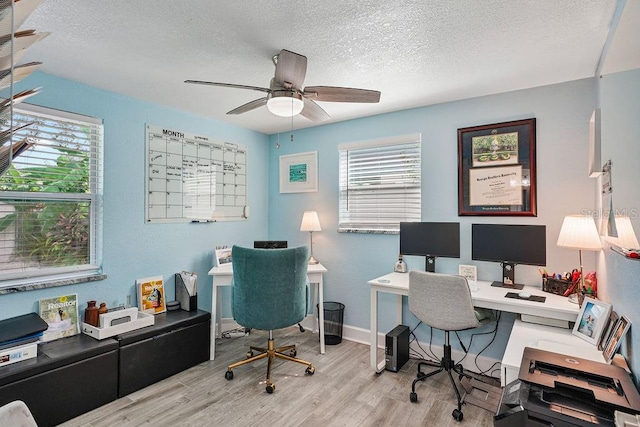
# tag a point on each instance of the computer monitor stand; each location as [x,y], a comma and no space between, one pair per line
[430,264]
[508,277]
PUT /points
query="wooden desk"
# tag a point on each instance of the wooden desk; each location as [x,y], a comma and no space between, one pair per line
[222,276]
[486,296]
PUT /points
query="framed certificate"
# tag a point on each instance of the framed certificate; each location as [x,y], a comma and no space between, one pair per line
[497,169]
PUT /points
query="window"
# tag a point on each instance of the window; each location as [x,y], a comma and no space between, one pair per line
[379,184]
[51,199]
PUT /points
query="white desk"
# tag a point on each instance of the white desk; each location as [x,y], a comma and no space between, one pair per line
[555,306]
[222,276]
[549,338]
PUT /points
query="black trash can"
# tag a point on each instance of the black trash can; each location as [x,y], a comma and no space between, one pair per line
[333,318]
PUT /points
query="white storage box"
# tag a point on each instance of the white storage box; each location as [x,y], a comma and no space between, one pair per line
[18,353]
[142,320]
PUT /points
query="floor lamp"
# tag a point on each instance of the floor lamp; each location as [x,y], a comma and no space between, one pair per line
[310,223]
[579,232]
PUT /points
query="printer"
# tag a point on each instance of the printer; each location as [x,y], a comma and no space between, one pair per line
[558,390]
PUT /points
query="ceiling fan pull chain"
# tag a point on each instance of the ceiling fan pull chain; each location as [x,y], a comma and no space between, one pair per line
[292,124]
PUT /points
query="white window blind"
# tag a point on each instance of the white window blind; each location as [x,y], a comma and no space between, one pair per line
[380,184]
[51,199]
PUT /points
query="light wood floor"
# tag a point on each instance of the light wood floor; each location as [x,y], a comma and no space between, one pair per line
[344,391]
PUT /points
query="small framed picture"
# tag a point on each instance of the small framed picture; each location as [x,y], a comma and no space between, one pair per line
[223,257]
[619,330]
[592,319]
[469,272]
[606,335]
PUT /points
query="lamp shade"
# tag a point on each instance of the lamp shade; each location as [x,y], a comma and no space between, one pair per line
[285,103]
[310,221]
[626,236]
[579,232]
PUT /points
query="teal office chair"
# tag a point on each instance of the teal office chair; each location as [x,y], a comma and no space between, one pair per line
[442,302]
[269,292]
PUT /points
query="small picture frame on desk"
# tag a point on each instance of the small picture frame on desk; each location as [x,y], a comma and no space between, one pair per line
[592,319]
[617,334]
[608,331]
[469,272]
[223,258]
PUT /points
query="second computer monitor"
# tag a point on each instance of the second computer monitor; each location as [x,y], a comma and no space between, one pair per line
[509,245]
[431,240]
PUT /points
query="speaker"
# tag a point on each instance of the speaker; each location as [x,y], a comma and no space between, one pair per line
[396,348]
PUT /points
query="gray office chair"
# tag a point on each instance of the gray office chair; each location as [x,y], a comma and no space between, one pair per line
[442,302]
[16,414]
[269,292]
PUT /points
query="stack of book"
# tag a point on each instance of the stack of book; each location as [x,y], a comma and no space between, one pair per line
[19,337]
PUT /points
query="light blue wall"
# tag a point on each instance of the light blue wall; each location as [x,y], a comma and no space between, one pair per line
[133,249]
[562,112]
[619,278]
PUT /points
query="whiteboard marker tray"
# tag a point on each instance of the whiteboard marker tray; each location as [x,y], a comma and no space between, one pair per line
[143,320]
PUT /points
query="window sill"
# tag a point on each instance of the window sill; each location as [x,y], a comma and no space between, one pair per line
[51,284]
[363,231]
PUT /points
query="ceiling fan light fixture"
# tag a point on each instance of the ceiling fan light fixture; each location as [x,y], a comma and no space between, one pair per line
[285,103]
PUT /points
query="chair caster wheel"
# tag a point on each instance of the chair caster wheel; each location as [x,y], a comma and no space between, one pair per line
[310,370]
[457,414]
[228,375]
[271,388]
[249,354]
[413,397]
[293,353]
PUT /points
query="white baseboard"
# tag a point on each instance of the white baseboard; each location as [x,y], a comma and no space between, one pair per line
[363,336]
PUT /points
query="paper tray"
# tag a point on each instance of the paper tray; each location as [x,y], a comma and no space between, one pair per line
[143,320]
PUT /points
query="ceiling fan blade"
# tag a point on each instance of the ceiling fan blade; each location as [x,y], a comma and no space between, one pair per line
[200,82]
[249,106]
[341,94]
[314,112]
[290,68]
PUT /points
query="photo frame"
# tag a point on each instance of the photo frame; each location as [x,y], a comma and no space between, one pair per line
[299,173]
[592,319]
[223,257]
[617,334]
[606,335]
[497,169]
[469,272]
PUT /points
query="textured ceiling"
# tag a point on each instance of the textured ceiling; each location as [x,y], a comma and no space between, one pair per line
[416,52]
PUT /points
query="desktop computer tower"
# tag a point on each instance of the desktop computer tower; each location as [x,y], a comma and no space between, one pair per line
[396,348]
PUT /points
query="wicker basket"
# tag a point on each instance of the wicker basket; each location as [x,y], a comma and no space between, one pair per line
[557,286]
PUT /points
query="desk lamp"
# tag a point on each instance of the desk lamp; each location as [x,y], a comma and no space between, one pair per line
[310,223]
[579,232]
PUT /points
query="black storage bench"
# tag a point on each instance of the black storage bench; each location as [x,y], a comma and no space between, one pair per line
[69,377]
[176,341]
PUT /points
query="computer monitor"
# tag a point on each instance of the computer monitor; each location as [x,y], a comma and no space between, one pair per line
[270,244]
[509,245]
[431,240]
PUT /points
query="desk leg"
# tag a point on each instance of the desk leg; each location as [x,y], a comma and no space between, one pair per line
[321,314]
[219,313]
[399,310]
[373,344]
[315,310]
[214,322]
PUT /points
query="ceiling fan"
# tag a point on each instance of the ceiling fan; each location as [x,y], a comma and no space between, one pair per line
[286,96]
